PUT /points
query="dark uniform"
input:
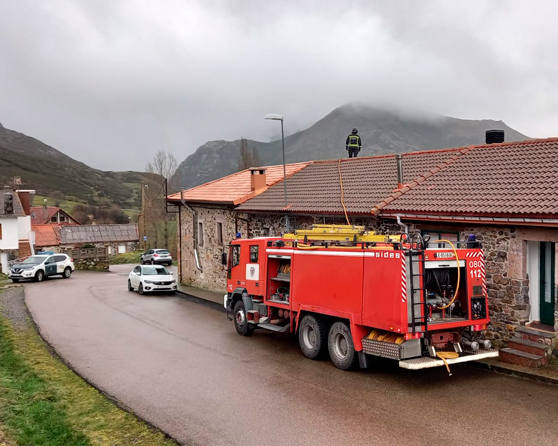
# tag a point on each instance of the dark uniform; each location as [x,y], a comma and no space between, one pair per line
[353,144]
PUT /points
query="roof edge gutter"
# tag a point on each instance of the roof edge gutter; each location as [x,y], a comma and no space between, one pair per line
[524,221]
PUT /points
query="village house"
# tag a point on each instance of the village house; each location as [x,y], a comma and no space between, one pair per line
[43,215]
[207,221]
[114,238]
[503,193]
[16,236]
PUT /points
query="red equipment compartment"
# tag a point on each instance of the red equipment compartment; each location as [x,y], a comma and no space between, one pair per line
[328,281]
[385,293]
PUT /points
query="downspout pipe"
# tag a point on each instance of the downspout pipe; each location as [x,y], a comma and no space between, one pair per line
[402,225]
[180,234]
[194,233]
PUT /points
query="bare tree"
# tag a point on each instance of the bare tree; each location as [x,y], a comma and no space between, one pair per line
[248,156]
[163,163]
[154,212]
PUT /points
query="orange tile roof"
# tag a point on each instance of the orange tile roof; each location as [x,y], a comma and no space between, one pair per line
[235,188]
[46,235]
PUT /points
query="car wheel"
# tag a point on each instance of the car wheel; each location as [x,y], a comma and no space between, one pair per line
[15,280]
[67,272]
[312,336]
[39,276]
[140,289]
[130,287]
[240,322]
[341,347]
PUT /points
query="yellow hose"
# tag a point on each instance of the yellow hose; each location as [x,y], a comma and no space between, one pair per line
[342,192]
[447,355]
[458,276]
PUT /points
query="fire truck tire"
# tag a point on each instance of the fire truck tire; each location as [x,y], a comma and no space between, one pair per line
[240,322]
[340,345]
[312,336]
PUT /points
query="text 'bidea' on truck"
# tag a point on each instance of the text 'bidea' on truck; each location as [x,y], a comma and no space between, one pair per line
[354,293]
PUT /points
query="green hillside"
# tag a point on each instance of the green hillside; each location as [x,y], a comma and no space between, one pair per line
[50,172]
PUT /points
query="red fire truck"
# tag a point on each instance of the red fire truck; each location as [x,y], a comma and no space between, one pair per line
[355,294]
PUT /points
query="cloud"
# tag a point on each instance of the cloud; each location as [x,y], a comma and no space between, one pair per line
[110,83]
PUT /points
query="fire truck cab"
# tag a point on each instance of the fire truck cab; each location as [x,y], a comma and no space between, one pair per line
[352,294]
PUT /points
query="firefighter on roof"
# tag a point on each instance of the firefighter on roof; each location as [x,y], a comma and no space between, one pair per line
[353,144]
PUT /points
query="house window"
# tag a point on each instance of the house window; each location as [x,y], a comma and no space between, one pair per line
[441,235]
[219,233]
[53,219]
[200,234]
[62,218]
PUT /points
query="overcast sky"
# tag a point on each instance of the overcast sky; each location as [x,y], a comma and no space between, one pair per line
[111,82]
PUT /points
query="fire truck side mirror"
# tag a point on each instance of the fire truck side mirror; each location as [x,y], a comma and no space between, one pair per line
[224,258]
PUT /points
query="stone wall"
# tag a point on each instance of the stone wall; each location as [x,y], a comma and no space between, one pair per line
[208,272]
[505,251]
[92,264]
[506,274]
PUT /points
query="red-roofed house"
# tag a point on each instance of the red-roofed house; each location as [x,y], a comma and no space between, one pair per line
[47,237]
[44,215]
[504,193]
[208,223]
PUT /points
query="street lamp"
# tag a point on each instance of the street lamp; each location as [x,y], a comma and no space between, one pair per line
[276,117]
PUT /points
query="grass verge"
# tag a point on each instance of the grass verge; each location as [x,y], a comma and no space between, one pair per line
[42,402]
[127,257]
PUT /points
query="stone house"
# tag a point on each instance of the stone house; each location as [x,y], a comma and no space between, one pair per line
[503,193]
[207,221]
[115,238]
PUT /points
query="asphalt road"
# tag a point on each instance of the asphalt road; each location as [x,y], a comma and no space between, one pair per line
[181,365]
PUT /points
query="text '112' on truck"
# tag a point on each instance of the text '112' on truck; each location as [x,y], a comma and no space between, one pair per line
[355,294]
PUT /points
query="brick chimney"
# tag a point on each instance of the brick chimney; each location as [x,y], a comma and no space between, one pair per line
[25,197]
[257,179]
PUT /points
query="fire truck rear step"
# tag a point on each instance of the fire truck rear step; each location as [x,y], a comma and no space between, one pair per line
[425,362]
[275,328]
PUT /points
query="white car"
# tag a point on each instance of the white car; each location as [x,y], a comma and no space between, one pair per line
[150,278]
[161,256]
[41,266]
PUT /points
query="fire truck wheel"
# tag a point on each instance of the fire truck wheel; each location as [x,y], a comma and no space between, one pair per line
[240,322]
[312,336]
[340,346]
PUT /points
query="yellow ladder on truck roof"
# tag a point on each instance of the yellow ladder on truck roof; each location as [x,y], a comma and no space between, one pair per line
[341,233]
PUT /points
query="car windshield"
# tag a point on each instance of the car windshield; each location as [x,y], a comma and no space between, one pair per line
[155,271]
[33,260]
[162,251]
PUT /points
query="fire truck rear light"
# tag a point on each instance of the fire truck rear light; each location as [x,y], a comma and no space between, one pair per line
[478,327]
[412,336]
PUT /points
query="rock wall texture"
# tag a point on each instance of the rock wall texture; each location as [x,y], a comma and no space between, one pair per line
[505,251]
[93,264]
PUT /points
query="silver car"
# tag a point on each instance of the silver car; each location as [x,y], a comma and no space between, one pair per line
[160,256]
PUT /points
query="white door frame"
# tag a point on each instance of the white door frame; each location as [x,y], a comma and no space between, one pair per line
[534,272]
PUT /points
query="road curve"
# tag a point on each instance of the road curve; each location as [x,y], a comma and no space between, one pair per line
[181,366]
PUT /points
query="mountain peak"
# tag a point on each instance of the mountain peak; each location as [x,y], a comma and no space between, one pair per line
[383,130]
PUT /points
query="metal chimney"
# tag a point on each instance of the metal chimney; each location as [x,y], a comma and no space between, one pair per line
[399,160]
[494,136]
